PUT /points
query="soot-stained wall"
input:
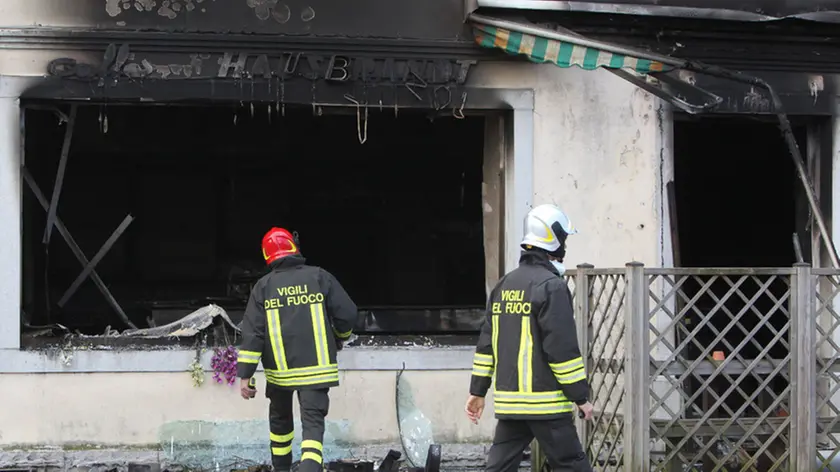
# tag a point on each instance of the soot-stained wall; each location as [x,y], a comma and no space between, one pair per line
[433,19]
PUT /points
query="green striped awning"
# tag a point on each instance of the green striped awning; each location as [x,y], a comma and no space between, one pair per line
[559,53]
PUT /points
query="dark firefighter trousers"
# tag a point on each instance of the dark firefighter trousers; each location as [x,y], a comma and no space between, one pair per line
[314,406]
[557,438]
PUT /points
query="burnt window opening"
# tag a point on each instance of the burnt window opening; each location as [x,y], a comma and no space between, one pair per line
[737,192]
[738,202]
[398,219]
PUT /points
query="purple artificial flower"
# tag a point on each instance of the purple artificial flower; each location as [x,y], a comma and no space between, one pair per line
[224,365]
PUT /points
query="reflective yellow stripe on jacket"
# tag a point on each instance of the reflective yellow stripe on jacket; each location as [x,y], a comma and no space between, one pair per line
[483,365]
[275,334]
[569,372]
[495,340]
[302,376]
[323,372]
[531,403]
[319,329]
[248,357]
[526,356]
[526,401]
[342,336]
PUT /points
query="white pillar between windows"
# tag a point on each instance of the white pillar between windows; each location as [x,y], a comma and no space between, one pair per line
[10,213]
[519,182]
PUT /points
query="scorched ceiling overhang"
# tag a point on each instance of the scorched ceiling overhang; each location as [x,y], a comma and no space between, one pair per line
[827,11]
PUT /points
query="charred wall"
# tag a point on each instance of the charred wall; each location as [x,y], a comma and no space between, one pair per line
[397,19]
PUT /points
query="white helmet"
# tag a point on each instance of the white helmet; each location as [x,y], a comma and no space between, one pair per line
[547,227]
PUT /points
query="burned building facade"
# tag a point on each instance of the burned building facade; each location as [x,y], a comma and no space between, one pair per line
[146,146]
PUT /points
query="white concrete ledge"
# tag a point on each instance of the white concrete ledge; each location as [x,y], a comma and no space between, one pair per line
[77,360]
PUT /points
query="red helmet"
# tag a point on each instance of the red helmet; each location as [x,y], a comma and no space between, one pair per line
[278,243]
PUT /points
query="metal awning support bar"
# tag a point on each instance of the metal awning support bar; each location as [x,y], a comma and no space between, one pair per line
[93,262]
[639,81]
[714,71]
[712,100]
[77,251]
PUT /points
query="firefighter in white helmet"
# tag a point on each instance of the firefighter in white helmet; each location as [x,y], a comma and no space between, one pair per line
[529,343]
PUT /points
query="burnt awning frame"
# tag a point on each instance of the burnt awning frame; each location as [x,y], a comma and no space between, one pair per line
[569,37]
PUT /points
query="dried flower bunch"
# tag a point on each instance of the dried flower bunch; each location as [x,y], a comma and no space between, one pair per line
[196,371]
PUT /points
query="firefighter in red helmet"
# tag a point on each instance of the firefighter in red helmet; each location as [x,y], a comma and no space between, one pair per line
[296,320]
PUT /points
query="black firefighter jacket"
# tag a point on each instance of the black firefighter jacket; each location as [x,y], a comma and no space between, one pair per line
[291,323]
[529,342]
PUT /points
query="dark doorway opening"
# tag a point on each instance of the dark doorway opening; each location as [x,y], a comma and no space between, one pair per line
[738,200]
[398,219]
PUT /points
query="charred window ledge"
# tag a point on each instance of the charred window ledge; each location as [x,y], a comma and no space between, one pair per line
[117,344]
[166,355]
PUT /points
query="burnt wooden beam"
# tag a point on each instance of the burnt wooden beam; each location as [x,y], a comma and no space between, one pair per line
[96,259]
[77,251]
[59,178]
